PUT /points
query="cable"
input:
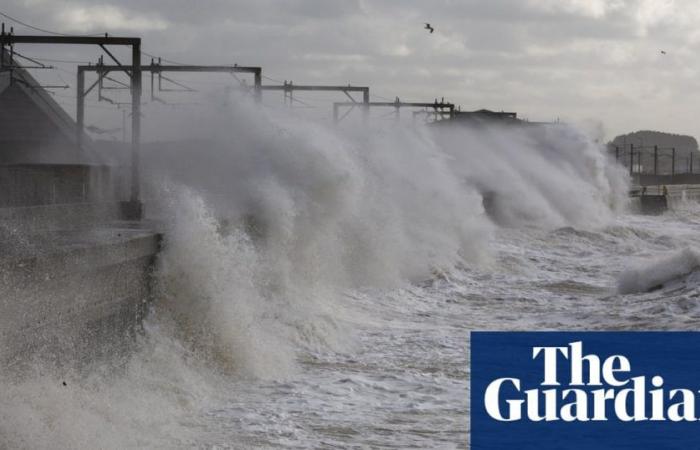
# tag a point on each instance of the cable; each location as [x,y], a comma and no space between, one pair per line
[87,62]
[55,33]
[64,70]
[211,83]
[88,105]
[61,78]
[302,102]
[64,61]
[383,98]
[36,60]
[31,60]
[163,59]
[312,100]
[30,26]
[272,79]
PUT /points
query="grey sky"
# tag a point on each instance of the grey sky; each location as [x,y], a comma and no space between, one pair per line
[581,60]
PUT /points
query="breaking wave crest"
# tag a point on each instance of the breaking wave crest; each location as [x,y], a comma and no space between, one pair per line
[272,217]
[656,274]
[268,221]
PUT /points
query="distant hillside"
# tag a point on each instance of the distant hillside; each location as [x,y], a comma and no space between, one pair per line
[645,140]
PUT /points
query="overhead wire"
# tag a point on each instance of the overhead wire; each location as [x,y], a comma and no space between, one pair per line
[163,59]
[272,79]
[152,55]
[43,30]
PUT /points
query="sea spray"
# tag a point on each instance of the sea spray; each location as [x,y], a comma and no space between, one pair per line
[652,274]
[546,175]
[268,221]
[282,214]
[143,402]
[376,206]
[208,284]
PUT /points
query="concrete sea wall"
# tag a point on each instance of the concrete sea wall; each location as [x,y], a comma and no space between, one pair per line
[75,275]
[82,294]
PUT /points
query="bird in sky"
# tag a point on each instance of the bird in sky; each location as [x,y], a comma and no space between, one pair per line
[429,28]
[663,52]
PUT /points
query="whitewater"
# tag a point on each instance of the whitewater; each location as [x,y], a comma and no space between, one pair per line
[317,285]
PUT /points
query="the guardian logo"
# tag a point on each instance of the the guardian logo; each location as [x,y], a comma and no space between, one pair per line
[584,390]
[594,389]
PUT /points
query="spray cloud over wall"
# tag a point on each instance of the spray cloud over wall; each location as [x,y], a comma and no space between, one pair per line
[269,220]
[282,214]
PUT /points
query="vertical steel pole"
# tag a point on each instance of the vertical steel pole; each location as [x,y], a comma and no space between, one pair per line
[673,161]
[640,168]
[135,122]
[12,55]
[631,159]
[258,86]
[365,104]
[2,46]
[80,109]
[656,160]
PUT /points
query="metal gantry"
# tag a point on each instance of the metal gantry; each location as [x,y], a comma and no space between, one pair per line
[135,69]
[439,108]
[288,88]
[154,68]
[10,39]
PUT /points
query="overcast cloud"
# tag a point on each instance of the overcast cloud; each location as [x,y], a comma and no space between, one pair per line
[580,60]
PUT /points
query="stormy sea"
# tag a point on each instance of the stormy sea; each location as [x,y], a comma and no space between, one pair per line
[317,284]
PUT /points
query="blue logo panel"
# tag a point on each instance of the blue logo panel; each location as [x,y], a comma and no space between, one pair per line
[585,390]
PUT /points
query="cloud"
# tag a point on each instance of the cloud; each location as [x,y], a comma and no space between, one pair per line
[653,12]
[590,8]
[542,58]
[108,17]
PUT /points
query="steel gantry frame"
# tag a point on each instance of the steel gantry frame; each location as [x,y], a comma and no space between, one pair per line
[288,88]
[438,115]
[134,72]
[154,68]
[440,108]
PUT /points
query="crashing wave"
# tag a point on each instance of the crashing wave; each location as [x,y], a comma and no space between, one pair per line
[658,273]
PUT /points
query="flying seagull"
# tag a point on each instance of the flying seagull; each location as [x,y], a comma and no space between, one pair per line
[663,52]
[429,28]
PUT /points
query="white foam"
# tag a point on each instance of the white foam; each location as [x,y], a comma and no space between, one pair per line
[268,225]
[143,404]
[282,214]
[546,175]
[652,274]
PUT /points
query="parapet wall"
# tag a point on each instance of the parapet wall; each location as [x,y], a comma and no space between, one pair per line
[48,184]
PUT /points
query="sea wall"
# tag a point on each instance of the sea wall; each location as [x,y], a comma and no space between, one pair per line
[75,275]
[74,295]
[46,184]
